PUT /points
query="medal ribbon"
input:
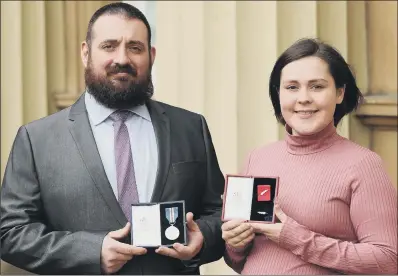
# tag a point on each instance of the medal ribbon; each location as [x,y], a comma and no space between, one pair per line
[172,214]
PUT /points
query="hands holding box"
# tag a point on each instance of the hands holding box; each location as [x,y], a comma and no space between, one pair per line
[195,243]
[237,234]
[250,198]
[249,207]
[271,231]
[115,254]
[158,224]
[161,225]
[165,226]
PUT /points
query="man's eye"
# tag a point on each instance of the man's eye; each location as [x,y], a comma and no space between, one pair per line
[135,49]
[291,87]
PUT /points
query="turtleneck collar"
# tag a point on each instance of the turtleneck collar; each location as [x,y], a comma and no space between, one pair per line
[308,144]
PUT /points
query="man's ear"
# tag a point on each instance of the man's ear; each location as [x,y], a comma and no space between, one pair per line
[153,54]
[340,94]
[84,52]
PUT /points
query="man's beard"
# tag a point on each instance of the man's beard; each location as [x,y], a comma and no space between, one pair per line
[135,93]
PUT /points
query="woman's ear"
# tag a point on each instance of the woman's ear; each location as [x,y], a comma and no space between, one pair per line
[340,94]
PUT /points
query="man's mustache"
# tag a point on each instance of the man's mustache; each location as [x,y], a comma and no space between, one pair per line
[117,68]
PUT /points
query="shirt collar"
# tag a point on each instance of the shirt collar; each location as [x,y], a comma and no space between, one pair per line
[98,113]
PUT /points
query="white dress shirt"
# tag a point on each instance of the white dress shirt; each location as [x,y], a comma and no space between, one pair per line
[142,140]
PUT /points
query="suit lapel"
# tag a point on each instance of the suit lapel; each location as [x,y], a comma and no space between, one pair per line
[161,124]
[80,129]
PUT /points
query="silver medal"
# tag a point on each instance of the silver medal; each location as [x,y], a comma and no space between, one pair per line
[172,232]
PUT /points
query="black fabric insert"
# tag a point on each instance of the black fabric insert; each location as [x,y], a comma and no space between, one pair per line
[263,206]
[180,223]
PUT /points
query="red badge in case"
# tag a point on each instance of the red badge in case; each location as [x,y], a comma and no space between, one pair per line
[264,192]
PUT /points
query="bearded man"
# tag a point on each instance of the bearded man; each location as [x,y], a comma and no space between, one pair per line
[73,176]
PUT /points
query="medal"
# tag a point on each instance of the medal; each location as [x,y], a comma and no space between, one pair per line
[172,232]
[264,193]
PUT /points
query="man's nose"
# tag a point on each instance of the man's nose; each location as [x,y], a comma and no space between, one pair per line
[121,57]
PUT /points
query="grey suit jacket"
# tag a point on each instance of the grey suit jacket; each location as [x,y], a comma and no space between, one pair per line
[57,204]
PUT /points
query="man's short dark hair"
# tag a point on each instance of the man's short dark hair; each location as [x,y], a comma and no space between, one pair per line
[338,68]
[122,9]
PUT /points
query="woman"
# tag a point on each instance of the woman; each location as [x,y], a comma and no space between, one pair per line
[336,204]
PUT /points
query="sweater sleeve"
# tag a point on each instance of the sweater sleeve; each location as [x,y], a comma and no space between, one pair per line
[373,211]
[236,258]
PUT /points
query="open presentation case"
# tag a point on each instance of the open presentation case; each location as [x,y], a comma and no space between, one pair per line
[250,198]
[158,224]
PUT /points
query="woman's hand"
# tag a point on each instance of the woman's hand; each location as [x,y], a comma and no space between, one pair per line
[237,233]
[272,231]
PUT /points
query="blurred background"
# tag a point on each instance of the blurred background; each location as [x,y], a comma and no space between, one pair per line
[213,58]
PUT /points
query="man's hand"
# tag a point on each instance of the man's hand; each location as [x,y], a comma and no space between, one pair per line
[114,254]
[237,233]
[195,243]
[272,231]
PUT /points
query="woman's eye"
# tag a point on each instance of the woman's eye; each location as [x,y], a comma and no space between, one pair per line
[317,87]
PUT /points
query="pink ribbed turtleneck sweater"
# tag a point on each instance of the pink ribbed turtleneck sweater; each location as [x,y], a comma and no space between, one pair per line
[342,209]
